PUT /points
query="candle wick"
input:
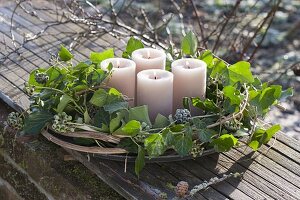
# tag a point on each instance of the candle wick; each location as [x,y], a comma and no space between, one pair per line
[155,77]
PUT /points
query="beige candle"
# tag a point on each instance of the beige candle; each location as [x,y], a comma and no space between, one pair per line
[189,81]
[155,89]
[123,76]
[148,58]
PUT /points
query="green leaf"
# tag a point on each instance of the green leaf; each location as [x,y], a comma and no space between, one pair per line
[186,103]
[286,93]
[97,57]
[168,137]
[155,145]
[199,123]
[224,142]
[128,144]
[64,101]
[132,128]
[205,135]
[183,144]
[116,122]
[99,98]
[189,44]
[34,123]
[262,136]
[207,104]
[140,114]
[177,128]
[161,121]
[113,107]
[64,54]
[139,161]
[207,57]
[86,117]
[240,72]
[219,68]
[233,94]
[132,45]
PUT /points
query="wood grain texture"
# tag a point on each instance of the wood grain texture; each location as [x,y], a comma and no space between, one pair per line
[273,172]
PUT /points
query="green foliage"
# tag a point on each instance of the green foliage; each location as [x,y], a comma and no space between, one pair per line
[189,44]
[36,121]
[132,45]
[224,142]
[235,100]
[140,160]
[262,136]
[96,57]
[64,54]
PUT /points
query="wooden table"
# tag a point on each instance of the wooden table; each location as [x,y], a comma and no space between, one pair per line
[271,173]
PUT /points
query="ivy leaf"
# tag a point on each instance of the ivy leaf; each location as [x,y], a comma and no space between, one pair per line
[161,121]
[155,145]
[177,128]
[86,117]
[128,144]
[132,128]
[240,72]
[64,54]
[199,123]
[97,57]
[262,136]
[64,101]
[114,123]
[286,93]
[132,45]
[168,137]
[205,135]
[224,142]
[99,98]
[139,161]
[207,57]
[140,114]
[189,44]
[219,68]
[233,94]
[34,123]
[113,107]
[183,144]
[207,104]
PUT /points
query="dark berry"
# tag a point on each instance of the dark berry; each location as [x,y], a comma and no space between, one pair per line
[182,116]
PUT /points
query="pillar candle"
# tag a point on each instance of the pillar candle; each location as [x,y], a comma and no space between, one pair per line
[189,81]
[148,58]
[123,76]
[155,89]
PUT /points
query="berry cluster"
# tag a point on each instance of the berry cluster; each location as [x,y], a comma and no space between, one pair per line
[60,123]
[28,89]
[139,138]
[196,149]
[41,77]
[15,121]
[182,116]
[232,125]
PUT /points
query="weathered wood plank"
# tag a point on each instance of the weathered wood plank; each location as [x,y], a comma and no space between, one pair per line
[251,177]
[273,166]
[264,172]
[242,183]
[183,174]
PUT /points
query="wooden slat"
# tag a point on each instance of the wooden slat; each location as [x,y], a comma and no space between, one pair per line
[264,172]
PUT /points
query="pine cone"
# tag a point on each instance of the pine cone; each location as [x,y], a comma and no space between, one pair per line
[182,116]
[182,189]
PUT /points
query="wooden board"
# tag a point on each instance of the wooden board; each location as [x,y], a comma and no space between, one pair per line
[271,173]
